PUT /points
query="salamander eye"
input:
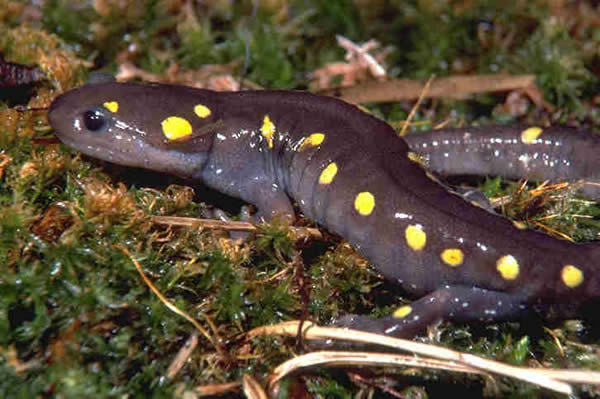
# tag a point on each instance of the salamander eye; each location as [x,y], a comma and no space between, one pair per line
[94,120]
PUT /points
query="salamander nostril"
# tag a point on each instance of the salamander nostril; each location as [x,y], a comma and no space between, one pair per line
[94,120]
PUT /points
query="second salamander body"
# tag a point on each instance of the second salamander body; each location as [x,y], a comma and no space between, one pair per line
[349,172]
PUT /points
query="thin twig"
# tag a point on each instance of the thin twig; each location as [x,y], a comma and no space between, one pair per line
[211,224]
[459,86]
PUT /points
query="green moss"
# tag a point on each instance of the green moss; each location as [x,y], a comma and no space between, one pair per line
[327,388]
[556,60]
[341,16]
[199,45]
[71,20]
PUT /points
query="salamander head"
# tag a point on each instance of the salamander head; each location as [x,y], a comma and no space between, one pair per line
[164,128]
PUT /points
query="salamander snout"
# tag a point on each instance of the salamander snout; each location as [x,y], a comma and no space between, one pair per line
[72,116]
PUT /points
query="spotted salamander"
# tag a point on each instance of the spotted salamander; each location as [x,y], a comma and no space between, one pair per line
[351,173]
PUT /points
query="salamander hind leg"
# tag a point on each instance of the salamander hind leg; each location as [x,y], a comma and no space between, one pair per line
[452,303]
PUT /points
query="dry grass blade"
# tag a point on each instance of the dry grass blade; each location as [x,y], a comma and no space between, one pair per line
[547,378]
[339,358]
[172,307]
[252,389]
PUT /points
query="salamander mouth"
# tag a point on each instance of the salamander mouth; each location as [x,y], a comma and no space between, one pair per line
[137,154]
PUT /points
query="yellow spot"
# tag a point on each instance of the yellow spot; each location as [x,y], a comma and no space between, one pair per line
[202,110]
[402,311]
[364,203]
[328,173]
[415,237]
[529,135]
[175,127]
[452,256]
[112,106]
[508,267]
[268,130]
[571,276]
[312,141]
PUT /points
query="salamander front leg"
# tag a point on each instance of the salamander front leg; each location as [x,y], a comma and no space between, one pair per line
[453,303]
[270,203]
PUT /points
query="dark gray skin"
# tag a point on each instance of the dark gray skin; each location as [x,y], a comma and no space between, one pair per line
[228,152]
